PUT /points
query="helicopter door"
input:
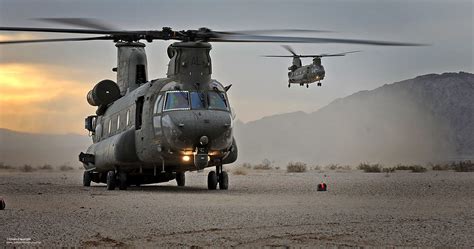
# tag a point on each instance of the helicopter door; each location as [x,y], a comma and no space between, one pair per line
[139,113]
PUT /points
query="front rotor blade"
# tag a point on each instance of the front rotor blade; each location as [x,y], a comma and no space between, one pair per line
[81,22]
[56,40]
[74,31]
[288,39]
[290,56]
[328,55]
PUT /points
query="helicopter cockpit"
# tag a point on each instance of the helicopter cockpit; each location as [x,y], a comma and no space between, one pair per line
[191,100]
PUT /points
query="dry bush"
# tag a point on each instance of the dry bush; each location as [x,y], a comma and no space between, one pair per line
[66,167]
[402,167]
[332,166]
[317,167]
[463,166]
[5,166]
[388,170]
[240,171]
[247,165]
[45,167]
[370,168]
[440,167]
[297,167]
[265,165]
[417,169]
[26,168]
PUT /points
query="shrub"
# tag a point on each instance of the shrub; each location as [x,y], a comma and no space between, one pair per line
[370,168]
[5,166]
[65,167]
[317,167]
[265,165]
[332,166]
[26,168]
[417,169]
[45,167]
[388,170]
[247,165]
[298,167]
[402,167]
[440,167]
[240,171]
[463,166]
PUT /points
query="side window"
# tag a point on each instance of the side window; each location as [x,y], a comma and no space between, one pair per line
[110,125]
[127,121]
[118,122]
[158,104]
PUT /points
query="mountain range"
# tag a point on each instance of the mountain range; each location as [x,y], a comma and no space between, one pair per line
[429,118]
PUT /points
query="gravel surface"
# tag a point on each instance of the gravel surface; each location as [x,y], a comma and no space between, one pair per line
[263,208]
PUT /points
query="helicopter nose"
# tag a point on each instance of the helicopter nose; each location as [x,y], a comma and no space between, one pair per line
[185,130]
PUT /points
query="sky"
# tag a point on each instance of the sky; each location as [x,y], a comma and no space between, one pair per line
[43,86]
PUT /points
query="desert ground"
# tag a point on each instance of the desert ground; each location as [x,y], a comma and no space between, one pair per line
[263,208]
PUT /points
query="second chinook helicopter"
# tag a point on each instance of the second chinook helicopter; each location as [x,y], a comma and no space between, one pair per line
[307,74]
[149,131]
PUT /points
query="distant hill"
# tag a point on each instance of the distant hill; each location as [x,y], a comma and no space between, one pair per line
[426,119]
[18,148]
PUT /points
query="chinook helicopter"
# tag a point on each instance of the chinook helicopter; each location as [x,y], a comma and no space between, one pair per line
[150,131]
[307,74]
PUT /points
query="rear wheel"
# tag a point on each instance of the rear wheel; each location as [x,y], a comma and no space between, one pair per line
[180,179]
[223,180]
[111,181]
[212,180]
[86,179]
[123,180]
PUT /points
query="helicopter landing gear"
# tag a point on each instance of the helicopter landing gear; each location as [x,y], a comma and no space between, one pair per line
[319,84]
[301,84]
[218,177]
[86,179]
[111,180]
[122,180]
[289,85]
[180,179]
[307,85]
[212,180]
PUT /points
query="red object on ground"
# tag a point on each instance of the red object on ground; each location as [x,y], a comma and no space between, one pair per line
[322,187]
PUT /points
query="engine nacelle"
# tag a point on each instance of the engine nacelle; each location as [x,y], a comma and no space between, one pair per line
[104,93]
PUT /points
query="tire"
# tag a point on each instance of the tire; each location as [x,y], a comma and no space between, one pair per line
[86,179]
[111,181]
[223,180]
[212,180]
[122,177]
[180,178]
[2,204]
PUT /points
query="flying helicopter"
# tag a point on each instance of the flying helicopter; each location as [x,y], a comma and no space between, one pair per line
[306,74]
[154,130]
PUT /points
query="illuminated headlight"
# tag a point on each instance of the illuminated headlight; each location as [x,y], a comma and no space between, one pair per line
[186,158]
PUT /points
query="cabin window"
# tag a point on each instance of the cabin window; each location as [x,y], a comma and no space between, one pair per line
[217,100]
[127,121]
[158,104]
[118,122]
[197,100]
[110,125]
[177,100]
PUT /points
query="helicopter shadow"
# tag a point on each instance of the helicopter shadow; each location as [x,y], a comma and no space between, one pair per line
[164,189]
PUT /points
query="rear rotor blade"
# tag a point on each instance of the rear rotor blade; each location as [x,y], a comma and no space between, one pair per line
[329,55]
[273,31]
[289,49]
[56,40]
[288,39]
[73,31]
[89,23]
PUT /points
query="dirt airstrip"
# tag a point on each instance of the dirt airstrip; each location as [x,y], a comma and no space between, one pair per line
[262,208]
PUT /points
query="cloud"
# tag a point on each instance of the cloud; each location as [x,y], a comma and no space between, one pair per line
[34,98]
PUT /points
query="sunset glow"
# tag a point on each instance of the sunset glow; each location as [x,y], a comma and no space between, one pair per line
[34,99]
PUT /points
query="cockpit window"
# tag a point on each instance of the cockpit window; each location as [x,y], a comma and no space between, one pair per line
[198,100]
[177,100]
[217,100]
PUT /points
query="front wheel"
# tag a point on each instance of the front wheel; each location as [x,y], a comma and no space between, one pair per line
[223,180]
[180,179]
[212,180]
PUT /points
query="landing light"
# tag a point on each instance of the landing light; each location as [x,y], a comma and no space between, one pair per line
[186,158]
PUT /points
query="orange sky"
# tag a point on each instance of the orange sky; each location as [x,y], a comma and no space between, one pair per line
[34,98]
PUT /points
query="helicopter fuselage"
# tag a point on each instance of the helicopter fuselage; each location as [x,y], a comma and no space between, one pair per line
[306,74]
